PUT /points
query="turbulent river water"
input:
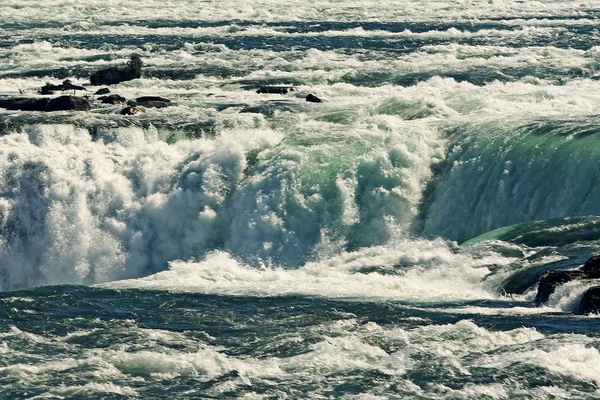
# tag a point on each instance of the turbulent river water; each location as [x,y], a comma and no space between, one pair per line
[376,245]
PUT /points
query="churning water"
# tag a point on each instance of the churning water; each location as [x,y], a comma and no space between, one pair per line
[259,246]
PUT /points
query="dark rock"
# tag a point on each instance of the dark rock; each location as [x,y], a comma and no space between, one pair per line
[275,89]
[152,98]
[590,302]
[102,91]
[113,99]
[25,104]
[62,103]
[132,110]
[114,75]
[66,103]
[313,99]
[592,265]
[49,88]
[152,102]
[551,280]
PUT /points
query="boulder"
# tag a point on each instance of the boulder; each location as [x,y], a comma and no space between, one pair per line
[152,102]
[113,99]
[592,265]
[132,110]
[275,89]
[49,88]
[102,91]
[25,104]
[110,76]
[552,279]
[67,103]
[590,302]
[62,103]
[313,99]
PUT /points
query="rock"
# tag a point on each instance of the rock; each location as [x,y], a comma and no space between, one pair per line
[152,98]
[113,99]
[552,279]
[592,265]
[49,88]
[132,110]
[313,99]
[102,91]
[152,102]
[25,104]
[590,302]
[275,89]
[66,103]
[114,75]
[62,103]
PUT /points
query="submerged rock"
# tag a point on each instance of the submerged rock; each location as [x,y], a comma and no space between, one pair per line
[590,302]
[313,99]
[110,76]
[62,103]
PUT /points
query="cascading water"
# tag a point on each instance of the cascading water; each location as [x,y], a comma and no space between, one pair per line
[382,244]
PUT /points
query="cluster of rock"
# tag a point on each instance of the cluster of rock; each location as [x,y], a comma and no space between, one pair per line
[551,280]
[109,76]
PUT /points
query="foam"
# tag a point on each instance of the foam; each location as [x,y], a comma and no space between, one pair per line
[422,273]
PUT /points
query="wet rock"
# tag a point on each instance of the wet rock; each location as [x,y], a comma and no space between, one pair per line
[132,110]
[111,76]
[592,265]
[313,99]
[102,91]
[552,279]
[62,103]
[25,104]
[275,89]
[113,99]
[66,103]
[590,302]
[152,102]
[49,88]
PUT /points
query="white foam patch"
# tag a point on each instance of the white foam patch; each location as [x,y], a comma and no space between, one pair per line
[424,272]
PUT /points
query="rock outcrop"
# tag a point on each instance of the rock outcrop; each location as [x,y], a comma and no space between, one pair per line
[111,76]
